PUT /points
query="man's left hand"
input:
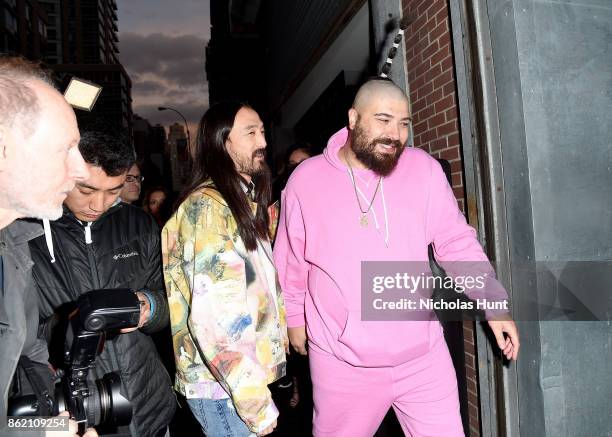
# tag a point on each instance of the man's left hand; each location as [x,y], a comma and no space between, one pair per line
[145,312]
[510,344]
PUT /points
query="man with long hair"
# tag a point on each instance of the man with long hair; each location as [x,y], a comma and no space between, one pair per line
[226,309]
[389,203]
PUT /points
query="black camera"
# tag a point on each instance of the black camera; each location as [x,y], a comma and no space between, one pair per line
[90,403]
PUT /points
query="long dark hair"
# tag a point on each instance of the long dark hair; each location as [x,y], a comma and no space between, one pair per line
[211,160]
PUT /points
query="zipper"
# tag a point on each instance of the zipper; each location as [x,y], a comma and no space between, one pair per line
[96,279]
[272,284]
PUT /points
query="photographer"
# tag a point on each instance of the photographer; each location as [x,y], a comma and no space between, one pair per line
[39,164]
[100,242]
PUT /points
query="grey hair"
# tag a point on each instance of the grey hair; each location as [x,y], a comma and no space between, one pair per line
[19,104]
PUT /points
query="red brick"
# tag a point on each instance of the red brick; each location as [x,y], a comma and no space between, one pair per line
[423,6]
[468,347]
[445,39]
[472,386]
[420,127]
[422,68]
[440,30]
[437,120]
[447,64]
[444,104]
[418,82]
[473,411]
[426,30]
[451,114]
[439,56]
[418,105]
[418,23]
[436,7]
[424,114]
[470,360]
[425,90]
[435,71]
[460,205]
[449,89]
[434,97]
[442,15]
[447,128]
[430,50]
[459,192]
[468,333]
[472,399]
[438,144]
[428,136]
[411,41]
[443,79]
[449,155]
[454,140]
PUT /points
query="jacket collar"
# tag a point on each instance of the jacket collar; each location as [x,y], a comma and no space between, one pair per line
[23,230]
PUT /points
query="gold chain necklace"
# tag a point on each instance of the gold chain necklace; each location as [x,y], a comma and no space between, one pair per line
[363,220]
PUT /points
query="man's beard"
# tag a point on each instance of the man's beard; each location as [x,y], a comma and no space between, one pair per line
[365,152]
[47,209]
[253,167]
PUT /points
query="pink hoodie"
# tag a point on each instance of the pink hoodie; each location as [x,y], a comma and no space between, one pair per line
[320,245]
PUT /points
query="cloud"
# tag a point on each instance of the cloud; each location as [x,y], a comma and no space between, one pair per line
[191,17]
[164,54]
[166,70]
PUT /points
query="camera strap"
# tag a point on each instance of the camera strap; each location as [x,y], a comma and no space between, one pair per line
[33,372]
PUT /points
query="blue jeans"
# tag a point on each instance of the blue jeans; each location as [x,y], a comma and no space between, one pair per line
[218,418]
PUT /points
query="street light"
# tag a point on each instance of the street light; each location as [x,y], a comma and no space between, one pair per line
[166,108]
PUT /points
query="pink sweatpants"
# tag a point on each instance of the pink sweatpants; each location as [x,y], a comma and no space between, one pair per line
[352,401]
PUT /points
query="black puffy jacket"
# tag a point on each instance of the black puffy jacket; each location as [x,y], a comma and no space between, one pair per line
[124,253]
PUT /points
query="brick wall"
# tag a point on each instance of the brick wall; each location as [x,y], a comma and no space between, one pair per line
[431,81]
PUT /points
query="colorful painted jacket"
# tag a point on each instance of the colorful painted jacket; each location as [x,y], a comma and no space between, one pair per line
[226,309]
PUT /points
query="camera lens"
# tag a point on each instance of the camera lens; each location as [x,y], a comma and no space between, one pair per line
[104,404]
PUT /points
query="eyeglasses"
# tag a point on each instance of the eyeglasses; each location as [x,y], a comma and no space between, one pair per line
[134,178]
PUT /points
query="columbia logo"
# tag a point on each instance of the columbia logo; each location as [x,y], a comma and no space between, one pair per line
[125,255]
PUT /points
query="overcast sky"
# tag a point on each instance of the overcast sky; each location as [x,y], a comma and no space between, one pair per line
[162,46]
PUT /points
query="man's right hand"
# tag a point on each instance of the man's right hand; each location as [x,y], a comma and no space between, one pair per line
[297,338]
[73,430]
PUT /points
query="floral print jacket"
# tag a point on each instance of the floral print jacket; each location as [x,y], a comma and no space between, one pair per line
[226,308]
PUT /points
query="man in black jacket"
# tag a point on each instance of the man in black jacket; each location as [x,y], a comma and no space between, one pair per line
[101,243]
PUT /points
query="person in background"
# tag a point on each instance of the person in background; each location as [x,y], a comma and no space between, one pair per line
[294,155]
[226,308]
[39,165]
[133,184]
[157,204]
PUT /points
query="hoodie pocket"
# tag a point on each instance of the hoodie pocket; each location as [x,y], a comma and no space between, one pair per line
[382,343]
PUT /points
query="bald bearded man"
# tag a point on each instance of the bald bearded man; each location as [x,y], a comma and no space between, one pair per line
[368,198]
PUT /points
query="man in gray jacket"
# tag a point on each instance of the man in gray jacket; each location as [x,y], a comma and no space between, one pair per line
[39,164]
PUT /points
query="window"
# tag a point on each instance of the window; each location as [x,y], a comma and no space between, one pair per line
[9,20]
[42,29]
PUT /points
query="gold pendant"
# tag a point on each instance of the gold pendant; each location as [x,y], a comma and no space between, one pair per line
[363,221]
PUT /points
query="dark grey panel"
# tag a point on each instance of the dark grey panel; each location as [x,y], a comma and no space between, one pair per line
[553,82]
[566,70]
